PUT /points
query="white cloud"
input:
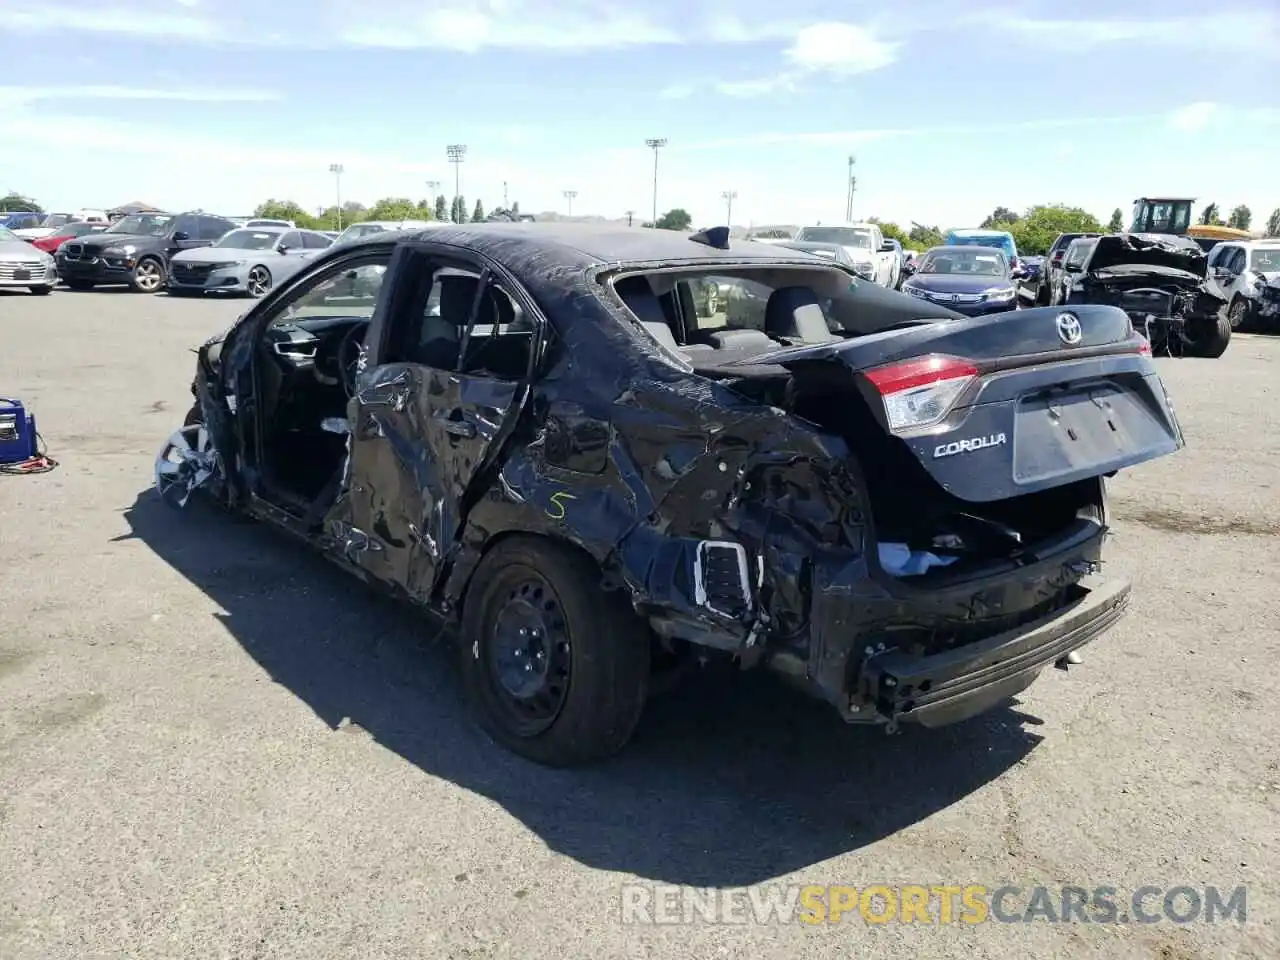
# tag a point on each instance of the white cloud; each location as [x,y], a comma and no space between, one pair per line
[840,48]
[143,19]
[677,91]
[22,96]
[762,86]
[843,49]
[459,25]
[1253,28]
[1194,116]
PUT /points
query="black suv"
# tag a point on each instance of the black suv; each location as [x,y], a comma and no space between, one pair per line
[1051,270]
[135,251]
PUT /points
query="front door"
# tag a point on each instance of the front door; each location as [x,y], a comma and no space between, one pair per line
[427,419]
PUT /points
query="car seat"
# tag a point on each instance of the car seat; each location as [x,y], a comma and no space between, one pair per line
[640,299]
[441,337]
[796,313]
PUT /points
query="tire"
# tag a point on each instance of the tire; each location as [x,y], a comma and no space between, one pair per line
[593,642]
[194,415]
[80,284]
[1240,315]
[148,276]
[1042,295]
[1211,338]
[258,282]
[41,291]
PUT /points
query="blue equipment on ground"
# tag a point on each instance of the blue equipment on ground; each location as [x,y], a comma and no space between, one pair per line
[18,442]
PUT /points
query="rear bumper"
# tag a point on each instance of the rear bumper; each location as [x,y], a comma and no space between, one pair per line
[948,687]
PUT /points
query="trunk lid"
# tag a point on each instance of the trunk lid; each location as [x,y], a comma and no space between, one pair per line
[999,408]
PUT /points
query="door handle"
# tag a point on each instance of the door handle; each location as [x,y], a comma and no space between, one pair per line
[456,428]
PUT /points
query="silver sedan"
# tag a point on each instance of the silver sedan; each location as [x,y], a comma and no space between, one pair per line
[22,265]
[246,261]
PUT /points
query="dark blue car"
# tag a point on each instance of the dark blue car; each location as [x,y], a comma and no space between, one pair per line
[971,280]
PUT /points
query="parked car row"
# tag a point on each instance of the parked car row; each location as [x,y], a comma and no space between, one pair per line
[187,253]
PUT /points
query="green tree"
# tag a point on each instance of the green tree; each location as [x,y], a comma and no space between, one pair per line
[394,208]
[892,231]
[458,211]
[1116,223]
[1273,223]
[1209,216]
[15,202]
[1240,218]
[999,215]
[442,208]
[477,215]
[287,210]
[1039,226]
[515,209]
[675,219]
[922,237]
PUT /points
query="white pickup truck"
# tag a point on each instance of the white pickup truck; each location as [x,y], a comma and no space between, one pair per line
[872,257]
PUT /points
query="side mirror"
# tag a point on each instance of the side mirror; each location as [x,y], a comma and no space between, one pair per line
[180,235]
[886,247]
[284,248]
[1017,273]
[909,268]
[1071,267]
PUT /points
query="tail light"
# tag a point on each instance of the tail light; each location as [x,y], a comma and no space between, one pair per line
[922,391]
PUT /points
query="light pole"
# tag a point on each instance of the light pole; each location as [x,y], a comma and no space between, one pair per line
[336,170]
[457,153]
[569,195]
[630,216]
[432,187]
[728,197]
[505,204]
[853,181]
[655,144]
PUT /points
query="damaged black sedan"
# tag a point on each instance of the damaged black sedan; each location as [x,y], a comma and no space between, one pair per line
[1159,281]
[544,434]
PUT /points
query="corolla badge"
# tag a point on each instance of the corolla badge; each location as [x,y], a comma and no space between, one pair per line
[1069,331]
[971,445]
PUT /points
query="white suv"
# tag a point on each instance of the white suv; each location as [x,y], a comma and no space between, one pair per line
[872,257]
[1239,270]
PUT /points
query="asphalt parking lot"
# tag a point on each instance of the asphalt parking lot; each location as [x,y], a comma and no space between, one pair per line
[214,745]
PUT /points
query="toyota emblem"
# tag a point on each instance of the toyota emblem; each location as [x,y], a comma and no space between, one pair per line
[1069,331]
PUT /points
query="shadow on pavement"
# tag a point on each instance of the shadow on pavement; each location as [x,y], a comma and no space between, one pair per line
[731,780]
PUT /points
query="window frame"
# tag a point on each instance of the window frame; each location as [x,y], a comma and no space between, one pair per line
[409,297]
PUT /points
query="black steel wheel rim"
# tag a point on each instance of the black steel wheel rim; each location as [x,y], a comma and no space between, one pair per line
[528,655]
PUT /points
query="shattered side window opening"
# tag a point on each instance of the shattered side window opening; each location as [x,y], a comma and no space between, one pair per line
[502,336]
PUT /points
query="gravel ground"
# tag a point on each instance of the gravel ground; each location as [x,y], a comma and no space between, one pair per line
[214,745]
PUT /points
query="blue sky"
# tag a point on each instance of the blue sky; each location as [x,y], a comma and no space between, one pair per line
[951,109]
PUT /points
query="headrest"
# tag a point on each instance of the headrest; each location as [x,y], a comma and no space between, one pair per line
[796,312]
[457,294]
